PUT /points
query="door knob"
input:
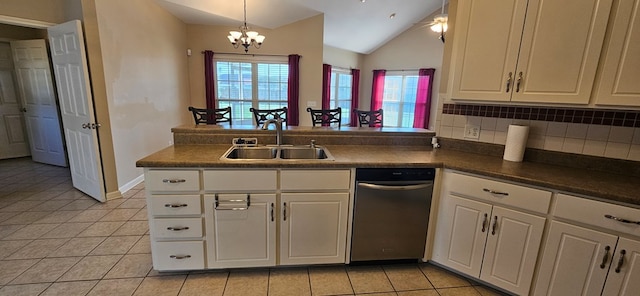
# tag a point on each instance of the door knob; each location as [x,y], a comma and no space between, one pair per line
[23,110]
[86,125]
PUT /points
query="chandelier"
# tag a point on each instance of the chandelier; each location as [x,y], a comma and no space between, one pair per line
[439,23]
[245,37]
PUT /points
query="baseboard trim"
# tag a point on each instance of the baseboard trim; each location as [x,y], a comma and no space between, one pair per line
[126,187]
[113,195]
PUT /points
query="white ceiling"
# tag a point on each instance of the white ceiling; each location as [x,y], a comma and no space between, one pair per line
[349,24]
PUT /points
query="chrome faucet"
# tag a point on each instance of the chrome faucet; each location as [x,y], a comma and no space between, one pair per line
[278,123]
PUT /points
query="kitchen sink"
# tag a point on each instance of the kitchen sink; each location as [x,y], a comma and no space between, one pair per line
[282,153]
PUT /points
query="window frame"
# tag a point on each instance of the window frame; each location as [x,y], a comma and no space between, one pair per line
[335,90]
[388,115]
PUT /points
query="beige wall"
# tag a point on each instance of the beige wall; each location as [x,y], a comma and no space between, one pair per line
[52,11]
[143,50]
[417,47]
[303,37]
[9,32]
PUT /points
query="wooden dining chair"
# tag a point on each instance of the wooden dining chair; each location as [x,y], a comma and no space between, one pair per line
[211,116]
[262,115]
[369,118]
[325,116]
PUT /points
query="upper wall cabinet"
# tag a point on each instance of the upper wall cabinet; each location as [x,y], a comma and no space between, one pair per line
[621,68]
[537,51]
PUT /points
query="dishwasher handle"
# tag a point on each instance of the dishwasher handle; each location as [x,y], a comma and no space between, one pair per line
[396,188]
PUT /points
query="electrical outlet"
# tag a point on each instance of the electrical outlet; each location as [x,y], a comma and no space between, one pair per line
[472,131]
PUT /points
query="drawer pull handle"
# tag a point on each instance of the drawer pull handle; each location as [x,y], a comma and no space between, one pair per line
[177,228]
[218,208]
[495,192]
[620,261]
[605,258]
[484,223]
[180,257]
[284,212]
[622,220]
[495,225]
[173,181]
[272,218]
[175,205]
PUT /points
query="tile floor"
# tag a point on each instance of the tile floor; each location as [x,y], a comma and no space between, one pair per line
[54,240]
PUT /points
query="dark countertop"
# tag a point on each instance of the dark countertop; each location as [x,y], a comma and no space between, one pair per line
[617,188]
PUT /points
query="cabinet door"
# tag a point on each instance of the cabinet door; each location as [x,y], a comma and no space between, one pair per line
[512,249]
[621,69]
[313,228]
[244,237]
[624,274]
[485,50]
[560,50]
[461,234]
[575,261]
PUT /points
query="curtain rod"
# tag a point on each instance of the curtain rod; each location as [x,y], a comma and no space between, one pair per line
[399,70]
[250,54]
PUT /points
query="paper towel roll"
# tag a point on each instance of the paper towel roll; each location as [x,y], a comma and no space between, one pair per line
[516,142]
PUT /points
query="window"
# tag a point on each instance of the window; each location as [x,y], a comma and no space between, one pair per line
[399,98]
[246,84]
[341,93]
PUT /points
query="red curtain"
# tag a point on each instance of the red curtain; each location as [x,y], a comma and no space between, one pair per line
[355,93]
[377,89]
[293,93]
[423,98]
[326,86]
[209,80]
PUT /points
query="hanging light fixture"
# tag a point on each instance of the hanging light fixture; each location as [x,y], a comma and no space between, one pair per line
[439,23]
[245,37]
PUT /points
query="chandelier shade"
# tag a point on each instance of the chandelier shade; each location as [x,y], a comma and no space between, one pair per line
[245,37]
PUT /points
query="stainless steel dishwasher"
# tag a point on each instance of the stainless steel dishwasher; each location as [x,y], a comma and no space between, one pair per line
[391,213]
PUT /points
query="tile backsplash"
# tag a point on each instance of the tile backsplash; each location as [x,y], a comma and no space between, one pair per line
[606,133]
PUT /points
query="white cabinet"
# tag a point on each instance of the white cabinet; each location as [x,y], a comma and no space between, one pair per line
[618,83]
[479,235]
[583,261]
[528,51]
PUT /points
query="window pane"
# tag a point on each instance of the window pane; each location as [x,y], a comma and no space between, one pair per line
[399,100]
[341,94]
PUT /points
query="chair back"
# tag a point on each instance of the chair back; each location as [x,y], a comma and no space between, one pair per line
[211,116]
[325,116]
[369,118]
[262,115]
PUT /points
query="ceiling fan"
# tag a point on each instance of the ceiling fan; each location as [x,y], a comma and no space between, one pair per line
[439,23]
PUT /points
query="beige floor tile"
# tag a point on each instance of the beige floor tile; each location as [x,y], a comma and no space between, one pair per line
[9,247]
[67,230]
[329,281]
[141,215]
[289,282]
[59,217]
[45,195]
[74,194]
[101,229]
[212,282]
[441,278]
[254,282]
[7,230]
[46,271]
[112,204]
[51,205]
[160,286]
[22,205]
[89,216]
[406,277]
[369,279]
[25,218]
[79,246]
[115,245]
[155,273]
[133,204]
[10,269]
[379,294]
[119,215]
[143,246]
[91,268]
[419,293]
[39,248]
[120,287]
[462,291]
[134,265]
[69,288]
[486,291]
[32,231]
[24,290]
[7,215]
[133,228]
[80,204]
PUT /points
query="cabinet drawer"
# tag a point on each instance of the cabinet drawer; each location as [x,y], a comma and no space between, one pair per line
[498,192]
[315,179]
[170,228]
[172,180]
[178,255]
[174,205]
[593,213]
[240,180]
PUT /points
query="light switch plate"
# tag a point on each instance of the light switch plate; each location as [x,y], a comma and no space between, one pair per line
[472,131]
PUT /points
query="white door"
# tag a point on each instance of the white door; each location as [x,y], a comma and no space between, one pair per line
[35,84]
[13,140]
[575,261]
[76,107]
[313,228]
[241,234]
[512,249]
[624,274]
[461,234]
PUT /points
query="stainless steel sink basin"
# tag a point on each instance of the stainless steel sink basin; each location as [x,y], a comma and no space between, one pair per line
[278,153]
